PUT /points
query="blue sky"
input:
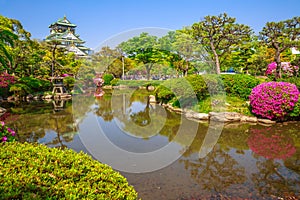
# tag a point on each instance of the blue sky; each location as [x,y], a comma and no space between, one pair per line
[98,20]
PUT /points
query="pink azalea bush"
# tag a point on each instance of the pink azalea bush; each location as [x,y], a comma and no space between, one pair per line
[6,133]
[286,67]
[6,79]
[273,100]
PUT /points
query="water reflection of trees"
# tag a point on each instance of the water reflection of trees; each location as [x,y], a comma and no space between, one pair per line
[35,121]
[82,104]
[136,115]
[216,172]
[277,160]
[104,109]
[274,180]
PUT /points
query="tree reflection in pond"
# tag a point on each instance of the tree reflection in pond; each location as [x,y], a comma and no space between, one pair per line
[273,179]
[216,172]
[47,124]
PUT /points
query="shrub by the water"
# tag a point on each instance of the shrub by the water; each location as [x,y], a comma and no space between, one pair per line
[69,82]
[186,91]
[239,85]
[274,100]
[295,114]
[34,171]
[6,134]
[107,78]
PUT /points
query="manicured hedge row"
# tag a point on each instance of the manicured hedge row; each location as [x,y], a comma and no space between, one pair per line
[34,171]
[203,86]
[239,85]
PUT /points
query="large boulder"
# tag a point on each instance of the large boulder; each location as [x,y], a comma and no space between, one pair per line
[249,119]
[196,115]
[225,116]
[266,121]
[2,110]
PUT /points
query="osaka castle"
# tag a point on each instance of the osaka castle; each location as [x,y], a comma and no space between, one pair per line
[63,31]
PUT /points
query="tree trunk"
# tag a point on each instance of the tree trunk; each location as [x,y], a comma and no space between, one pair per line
[278,62]
[148,70]
[217,61]
[53,60]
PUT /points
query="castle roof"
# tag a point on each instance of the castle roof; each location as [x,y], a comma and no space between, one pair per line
[64,22]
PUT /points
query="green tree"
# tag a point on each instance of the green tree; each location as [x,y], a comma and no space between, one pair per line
[7,39]
[17,52]
[111,61]
[143,50]
[281,36]
[104,58]
[219,34]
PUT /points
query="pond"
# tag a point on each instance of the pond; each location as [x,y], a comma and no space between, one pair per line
[164,155]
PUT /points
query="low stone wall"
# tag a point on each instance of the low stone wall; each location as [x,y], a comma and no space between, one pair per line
[226,117]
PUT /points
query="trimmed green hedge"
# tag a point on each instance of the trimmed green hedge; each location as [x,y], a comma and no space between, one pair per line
[182,91]
[295,80]
[239,85]
[34,171]
[107,79]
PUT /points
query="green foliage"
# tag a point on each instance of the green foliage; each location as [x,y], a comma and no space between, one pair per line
[30,85]
[135,83]
[35,84]
[34,171]
[295,114]
[239,85]
[69,82]
[163,94]
[280,36]
[115,82]
[187,90]
[198,85]
[107,79]
[295,80]
[219,34]
[214,84]
[20,89]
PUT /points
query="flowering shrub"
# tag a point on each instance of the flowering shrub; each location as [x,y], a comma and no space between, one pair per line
[271,146]
[286,67]
[273,100]
[6,133]
[271,68]
[6,79]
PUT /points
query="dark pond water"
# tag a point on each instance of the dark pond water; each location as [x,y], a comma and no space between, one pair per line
[162,154]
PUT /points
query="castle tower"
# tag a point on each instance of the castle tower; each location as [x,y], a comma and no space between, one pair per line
[64,31]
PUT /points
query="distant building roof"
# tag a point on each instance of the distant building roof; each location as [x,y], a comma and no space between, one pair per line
[64,22]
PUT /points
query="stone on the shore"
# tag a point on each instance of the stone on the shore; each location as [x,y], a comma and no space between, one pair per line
[196,115]
[2,110]
[248,119]
[225,116]
[150,88]
[177,110]
[266,121]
